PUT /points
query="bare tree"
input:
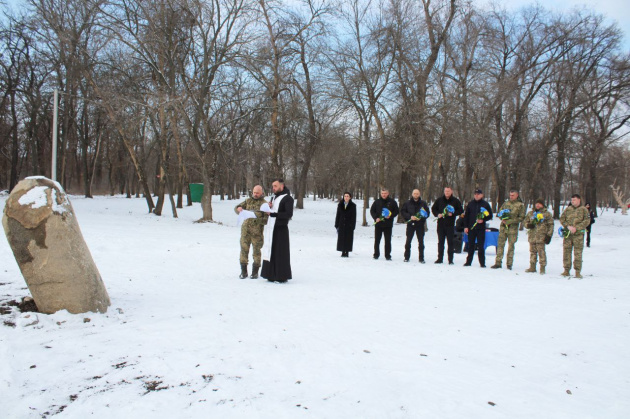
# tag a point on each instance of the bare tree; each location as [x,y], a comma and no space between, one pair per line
[606,119]
[417,59]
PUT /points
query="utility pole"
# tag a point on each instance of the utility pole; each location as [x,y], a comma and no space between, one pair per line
[53,170]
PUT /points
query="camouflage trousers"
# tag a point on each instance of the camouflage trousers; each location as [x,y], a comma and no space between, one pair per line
[511,236]
[575,243]
[537,250]
[252,236]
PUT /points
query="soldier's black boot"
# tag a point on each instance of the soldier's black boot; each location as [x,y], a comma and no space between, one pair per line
[255,271]
[243,271]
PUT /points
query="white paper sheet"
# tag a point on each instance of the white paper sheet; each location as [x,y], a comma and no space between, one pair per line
[244,215]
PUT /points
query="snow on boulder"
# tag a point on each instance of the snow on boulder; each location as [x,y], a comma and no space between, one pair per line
[45,237]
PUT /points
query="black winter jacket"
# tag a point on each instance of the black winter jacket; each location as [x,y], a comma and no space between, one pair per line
[472,209]
[377,209]
[412,207]
[440,204]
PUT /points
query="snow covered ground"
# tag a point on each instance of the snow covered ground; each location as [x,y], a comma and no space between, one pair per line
[346,338]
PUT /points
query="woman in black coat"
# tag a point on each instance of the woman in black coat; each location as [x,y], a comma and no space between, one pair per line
[345,222]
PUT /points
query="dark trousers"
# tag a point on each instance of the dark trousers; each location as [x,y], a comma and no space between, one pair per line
[378,233]
[588,236]
[445,232]
[478,233]
[458,241]
[416,228]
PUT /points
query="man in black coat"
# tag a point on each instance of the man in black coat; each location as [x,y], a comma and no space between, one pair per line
[446,222]
[592,214]
[276,265]
[478,212]
[345,222]
[383,225]
[410,212]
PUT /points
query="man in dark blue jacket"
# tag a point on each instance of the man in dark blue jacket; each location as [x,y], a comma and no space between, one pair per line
[383,224]
[416,223]
[478,212]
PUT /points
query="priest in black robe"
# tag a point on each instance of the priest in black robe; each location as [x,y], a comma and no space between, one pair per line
[276,265]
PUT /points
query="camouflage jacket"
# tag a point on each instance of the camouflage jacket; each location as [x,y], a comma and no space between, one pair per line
[517,213]
[538,232]
[577,217]
[251,204]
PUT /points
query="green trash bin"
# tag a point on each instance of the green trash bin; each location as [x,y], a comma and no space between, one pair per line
[196,191]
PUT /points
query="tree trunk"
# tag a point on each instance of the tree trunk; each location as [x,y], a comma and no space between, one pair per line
[430,166]
[208,189]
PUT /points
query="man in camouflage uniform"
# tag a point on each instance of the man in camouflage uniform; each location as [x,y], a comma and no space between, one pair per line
[508,230]
[575,219]
[252,230]
[539,234]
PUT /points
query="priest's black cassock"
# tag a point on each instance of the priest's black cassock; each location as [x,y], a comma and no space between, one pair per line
[276,264]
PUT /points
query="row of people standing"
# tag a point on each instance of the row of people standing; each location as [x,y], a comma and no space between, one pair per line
[267,229]
[447,208]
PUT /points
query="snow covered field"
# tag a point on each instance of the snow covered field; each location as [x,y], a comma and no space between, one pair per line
[346,338]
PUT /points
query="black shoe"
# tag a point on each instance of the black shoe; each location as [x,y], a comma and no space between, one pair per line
[375,257]
[406,260]
[466,264]
[483,266]
[451,263]
[388,258]
[255,272]
[497,266]
[509,267]
[422,261]
[438,261]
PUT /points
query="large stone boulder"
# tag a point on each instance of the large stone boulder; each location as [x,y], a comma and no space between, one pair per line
[49,248]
